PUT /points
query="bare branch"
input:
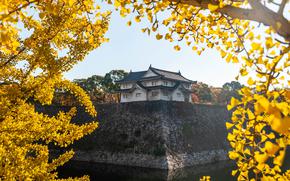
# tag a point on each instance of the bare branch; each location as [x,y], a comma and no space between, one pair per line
[258,13]
[282,6]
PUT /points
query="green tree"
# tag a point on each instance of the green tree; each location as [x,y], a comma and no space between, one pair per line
[230,90]
[203,92]
[90,84]
[232,86]
[109,81]
[102,89]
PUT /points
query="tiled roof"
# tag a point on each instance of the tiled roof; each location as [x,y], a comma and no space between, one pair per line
[170,75]
[158,86]
[133,76]
[138,76]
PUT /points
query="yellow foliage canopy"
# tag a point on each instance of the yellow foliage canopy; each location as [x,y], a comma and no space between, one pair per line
[39,40]
[260,125]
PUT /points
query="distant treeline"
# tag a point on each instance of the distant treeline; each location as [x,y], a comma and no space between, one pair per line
[102,89]
[203,93]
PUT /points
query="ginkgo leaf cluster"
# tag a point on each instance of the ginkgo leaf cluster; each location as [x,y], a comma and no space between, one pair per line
[39,40]
[259,128]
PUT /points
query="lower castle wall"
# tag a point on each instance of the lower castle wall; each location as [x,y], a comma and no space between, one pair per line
[157,134]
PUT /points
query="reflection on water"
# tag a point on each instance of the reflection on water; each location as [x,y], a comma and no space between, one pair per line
[218,171]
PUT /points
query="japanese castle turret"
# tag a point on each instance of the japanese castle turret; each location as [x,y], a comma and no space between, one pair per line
[155,84]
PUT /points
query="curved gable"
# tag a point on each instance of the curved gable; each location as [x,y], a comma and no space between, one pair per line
[150,73]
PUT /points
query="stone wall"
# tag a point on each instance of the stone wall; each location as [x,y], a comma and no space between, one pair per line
[157,134]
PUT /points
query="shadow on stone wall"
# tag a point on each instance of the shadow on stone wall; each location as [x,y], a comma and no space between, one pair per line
[157,134]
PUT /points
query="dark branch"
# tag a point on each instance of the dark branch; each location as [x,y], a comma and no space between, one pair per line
[13,56]
[282,6]
[258,13]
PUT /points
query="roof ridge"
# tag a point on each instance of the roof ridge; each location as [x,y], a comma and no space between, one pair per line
[186,78]
[138,71]
[139,75]
[166,70]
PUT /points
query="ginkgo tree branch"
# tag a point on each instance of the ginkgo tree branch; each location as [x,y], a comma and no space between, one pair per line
[258,13]
[282,6]
[13,57]
[271,18]
[17,9]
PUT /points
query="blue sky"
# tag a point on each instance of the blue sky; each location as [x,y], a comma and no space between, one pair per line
[130,49]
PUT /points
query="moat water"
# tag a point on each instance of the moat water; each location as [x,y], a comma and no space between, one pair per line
[220,171]
[104,172]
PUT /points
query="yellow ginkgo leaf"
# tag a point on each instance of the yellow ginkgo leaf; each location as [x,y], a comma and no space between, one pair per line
[177,48]
[194,48]
[235,59]
[243,72]
[271,148]
[229,58]
[250,114]
[269,42]
[278,160]
[278,24]
[234,172]
[233,155]
[261,158]
[158,36]
[255,46]
[229,125]
[234,103]
[138,19]
[250,81]
[223,53]
[212,7]
[281,125]
[129,23]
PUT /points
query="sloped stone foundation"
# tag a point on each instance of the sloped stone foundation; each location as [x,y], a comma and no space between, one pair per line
[157,134]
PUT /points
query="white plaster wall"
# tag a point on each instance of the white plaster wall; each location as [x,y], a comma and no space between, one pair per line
[145,83]
[129,85]
[148,83]
[132,96]
[190,100]
[185,86]
[169,83]
[159,82]
[152,98]
[175,96]
[142,97]
[126,99]
[149,73]
[164,97]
